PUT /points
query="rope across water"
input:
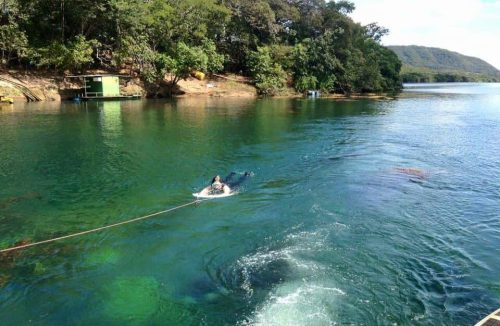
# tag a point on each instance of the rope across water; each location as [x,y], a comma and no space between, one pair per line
[102,227]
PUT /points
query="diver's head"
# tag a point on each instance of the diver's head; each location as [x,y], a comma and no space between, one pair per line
[216,179]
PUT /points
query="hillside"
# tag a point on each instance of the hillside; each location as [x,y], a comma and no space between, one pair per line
[425,64]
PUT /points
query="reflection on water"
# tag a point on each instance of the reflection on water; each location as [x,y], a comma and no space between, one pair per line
[110,114]
[359,212]
[454,88]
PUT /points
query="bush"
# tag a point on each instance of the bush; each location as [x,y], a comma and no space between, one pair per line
[304,83]
[215,60]
[80,52]
[315,65]
[52,56]
[269,77]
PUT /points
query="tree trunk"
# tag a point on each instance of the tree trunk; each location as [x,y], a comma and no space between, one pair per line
[62,20]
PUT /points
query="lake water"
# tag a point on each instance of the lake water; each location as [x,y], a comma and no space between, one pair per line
[357,212]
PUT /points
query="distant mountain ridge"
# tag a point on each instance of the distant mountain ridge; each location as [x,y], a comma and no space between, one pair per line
[435,61]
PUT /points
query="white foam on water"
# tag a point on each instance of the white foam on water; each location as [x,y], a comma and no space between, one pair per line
[317,209]
[297,303]
[305,295]
[296,245]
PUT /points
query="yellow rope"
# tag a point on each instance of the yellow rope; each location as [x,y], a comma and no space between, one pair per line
[101,228]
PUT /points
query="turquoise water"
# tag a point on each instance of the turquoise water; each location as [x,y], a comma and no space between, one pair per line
[358,212]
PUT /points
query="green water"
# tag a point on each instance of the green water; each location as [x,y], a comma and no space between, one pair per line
[358,212]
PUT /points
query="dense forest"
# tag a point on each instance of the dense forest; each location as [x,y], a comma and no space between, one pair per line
[424,64]
[304,44]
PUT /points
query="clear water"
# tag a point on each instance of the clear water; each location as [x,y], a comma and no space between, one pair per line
[358,212]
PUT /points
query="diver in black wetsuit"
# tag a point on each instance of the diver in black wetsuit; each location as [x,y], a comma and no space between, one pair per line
[234,183]
[225,186]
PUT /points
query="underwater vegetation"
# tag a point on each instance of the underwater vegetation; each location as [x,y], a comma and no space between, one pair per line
[39,268]
[9,201]
[102,256]
[132,298]
[8,258]
[139,300]
[4,279]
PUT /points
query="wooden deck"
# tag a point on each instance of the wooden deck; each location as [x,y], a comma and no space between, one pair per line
[492,319]
[110,98]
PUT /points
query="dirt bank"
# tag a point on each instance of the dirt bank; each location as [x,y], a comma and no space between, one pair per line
[218,86]
[50,87]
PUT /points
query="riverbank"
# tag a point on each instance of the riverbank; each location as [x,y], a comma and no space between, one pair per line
[48,86]
[218,86]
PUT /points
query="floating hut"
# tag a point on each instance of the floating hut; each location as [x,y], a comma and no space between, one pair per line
[103,87]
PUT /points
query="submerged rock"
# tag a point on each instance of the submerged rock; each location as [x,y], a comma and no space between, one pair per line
[412,172]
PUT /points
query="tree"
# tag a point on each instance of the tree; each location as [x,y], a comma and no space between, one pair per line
[73,56]
[269,77]
[137,54]
[312,43]
[80,52]
[215,60]
[184,61]
[390,67]
[192,21]
[13,42]
[375,32]
[315,60]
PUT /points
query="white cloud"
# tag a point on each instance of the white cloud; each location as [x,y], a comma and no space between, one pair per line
[471,27]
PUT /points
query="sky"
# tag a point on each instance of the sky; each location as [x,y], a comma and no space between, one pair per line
[470,27]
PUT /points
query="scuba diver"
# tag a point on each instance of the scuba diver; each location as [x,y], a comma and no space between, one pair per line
[218,187]
[225,186]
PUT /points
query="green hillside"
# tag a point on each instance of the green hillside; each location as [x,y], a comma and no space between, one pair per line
[424,64]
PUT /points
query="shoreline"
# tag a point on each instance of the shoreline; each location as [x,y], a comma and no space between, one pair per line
[55,88]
